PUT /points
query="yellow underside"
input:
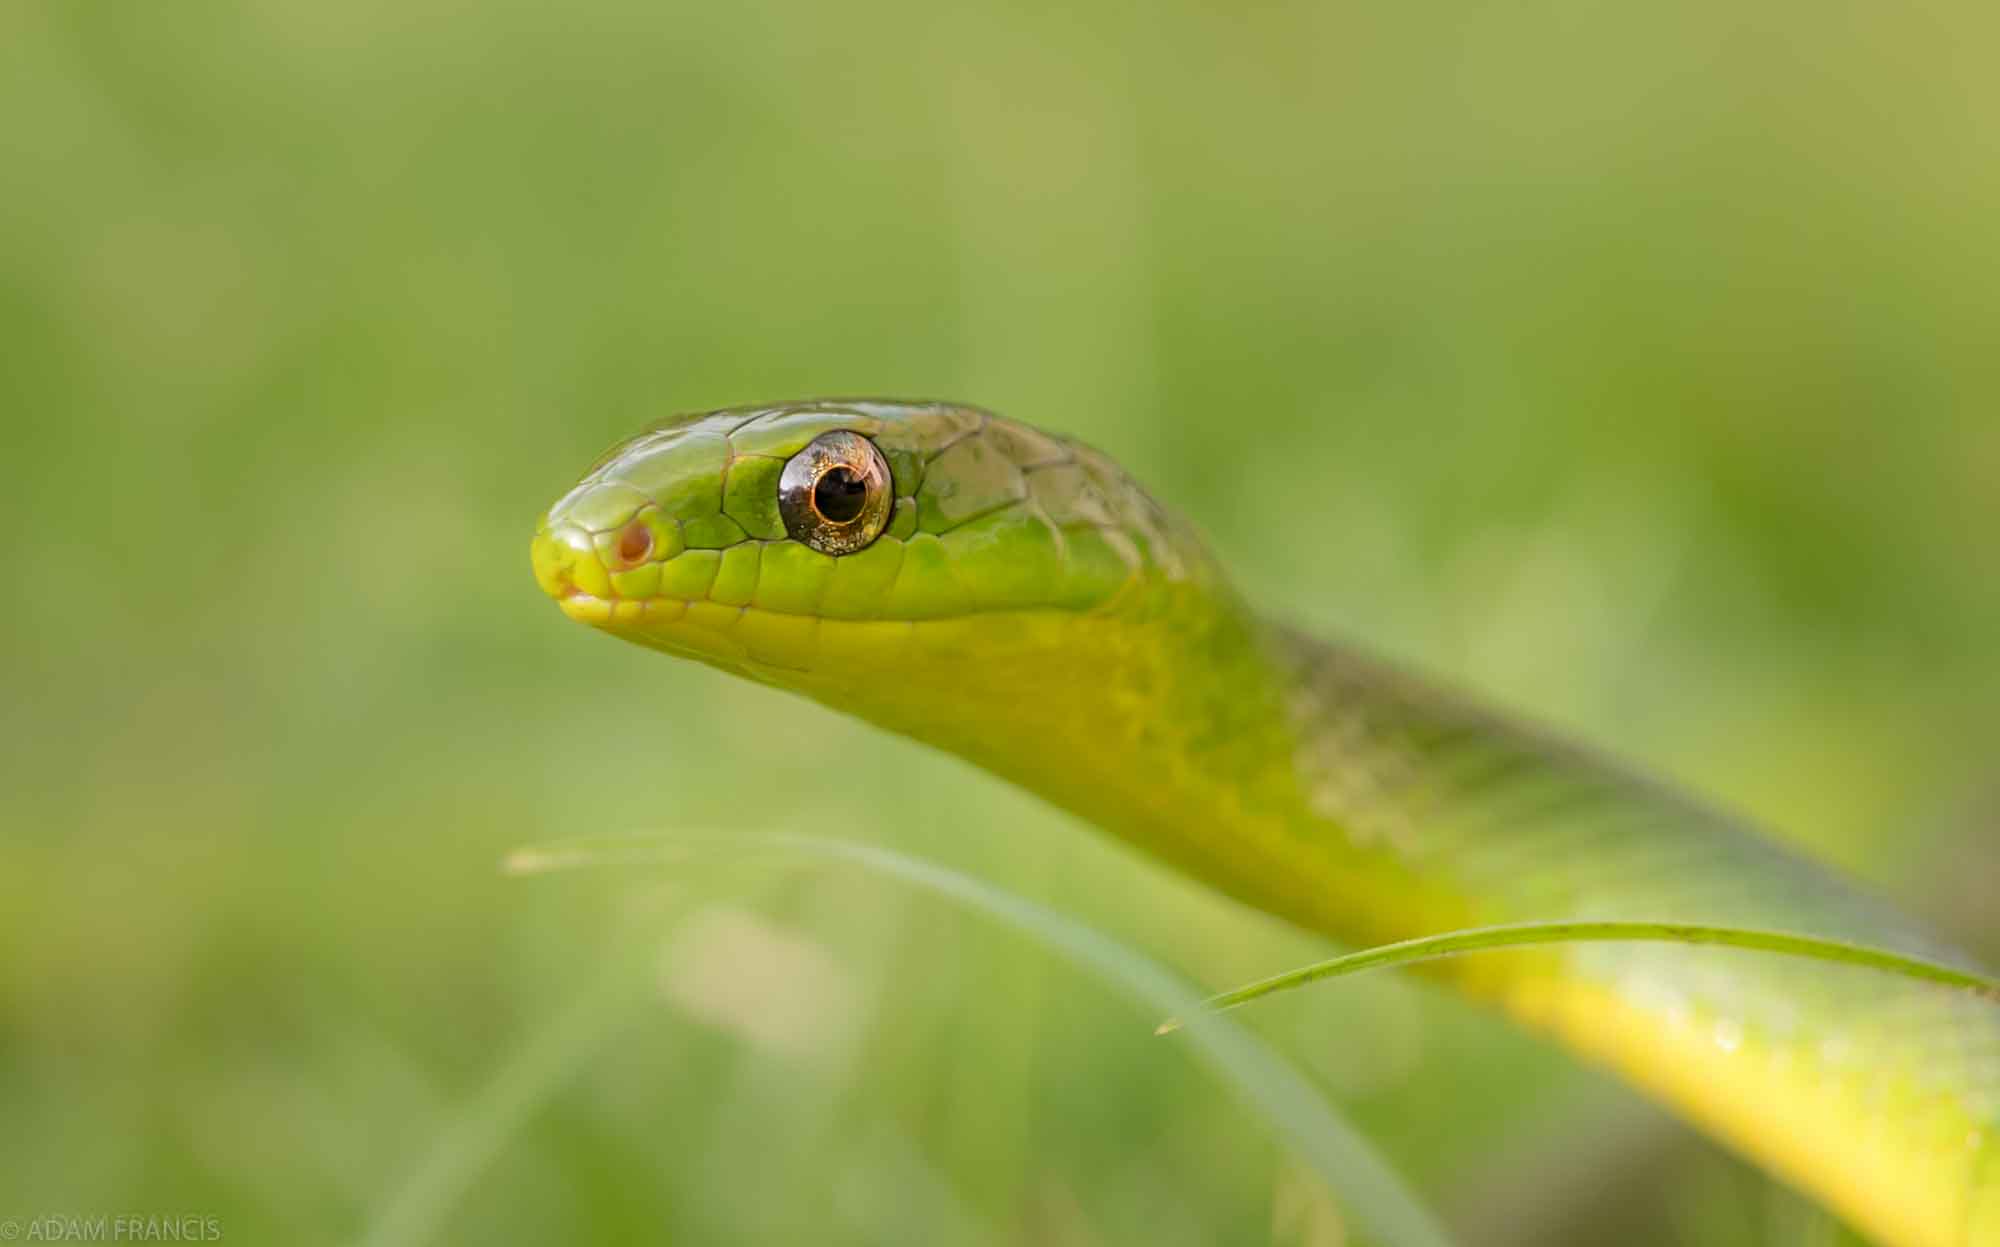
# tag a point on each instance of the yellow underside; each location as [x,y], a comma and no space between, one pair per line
[1900,1171]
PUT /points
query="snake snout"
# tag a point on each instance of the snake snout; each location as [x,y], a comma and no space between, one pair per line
[567,565]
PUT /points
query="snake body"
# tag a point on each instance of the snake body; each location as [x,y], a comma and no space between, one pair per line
[1020,601]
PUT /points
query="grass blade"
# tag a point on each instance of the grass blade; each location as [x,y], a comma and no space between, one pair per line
[1382,1207]
[1530,934]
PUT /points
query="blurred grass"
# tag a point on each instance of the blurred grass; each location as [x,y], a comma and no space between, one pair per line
[1371,1195]
[1634,365]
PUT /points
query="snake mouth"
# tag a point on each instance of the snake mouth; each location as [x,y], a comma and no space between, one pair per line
[609,587]
[569,569]
[775,641]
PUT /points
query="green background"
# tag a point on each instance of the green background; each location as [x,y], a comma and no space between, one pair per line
[1632,364]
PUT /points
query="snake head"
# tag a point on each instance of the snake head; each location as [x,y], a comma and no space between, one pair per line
[823,544]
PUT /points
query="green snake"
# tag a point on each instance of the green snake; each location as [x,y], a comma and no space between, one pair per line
[1015,598]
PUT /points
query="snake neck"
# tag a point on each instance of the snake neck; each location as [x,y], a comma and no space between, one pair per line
[1325,788]
[1174,721]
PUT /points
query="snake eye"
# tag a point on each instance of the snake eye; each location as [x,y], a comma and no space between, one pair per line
[834,495]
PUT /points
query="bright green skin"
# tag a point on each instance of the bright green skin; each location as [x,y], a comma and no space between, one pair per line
[1033,610]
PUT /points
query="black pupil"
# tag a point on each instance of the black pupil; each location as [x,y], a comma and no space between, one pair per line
[840,494]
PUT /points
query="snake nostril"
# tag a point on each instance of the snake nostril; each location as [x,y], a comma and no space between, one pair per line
[635,543]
